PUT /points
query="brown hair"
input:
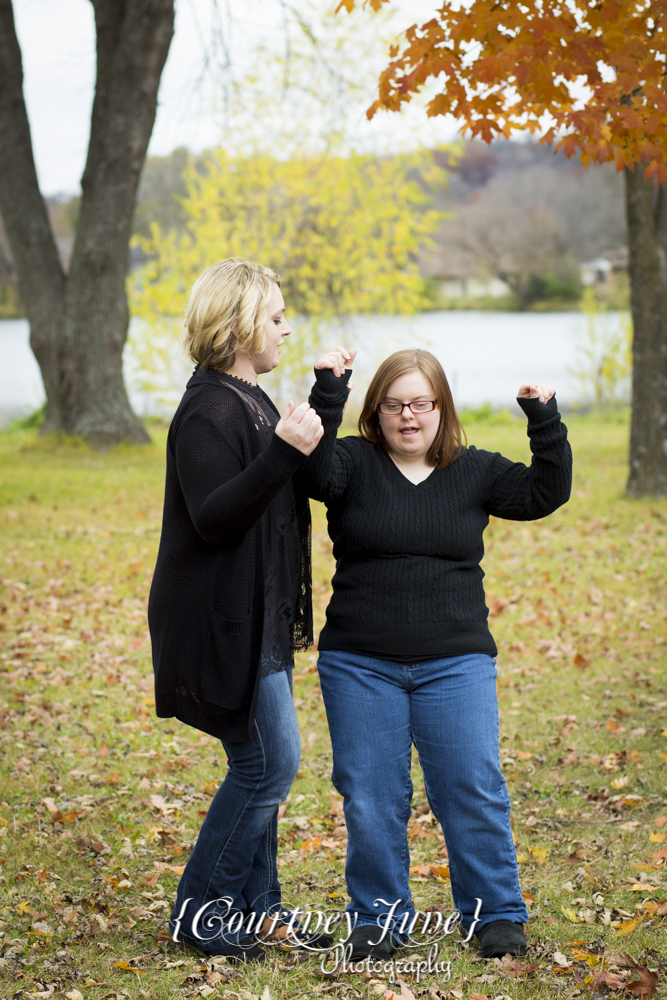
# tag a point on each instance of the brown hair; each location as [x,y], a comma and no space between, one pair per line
[450,440]
[227,311]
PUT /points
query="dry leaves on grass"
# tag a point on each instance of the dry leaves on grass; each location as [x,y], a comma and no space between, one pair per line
[628,926]
[646,985]
[480,996]
[601,977]
[511,967]
[439,872]
[126,967]
[404,994]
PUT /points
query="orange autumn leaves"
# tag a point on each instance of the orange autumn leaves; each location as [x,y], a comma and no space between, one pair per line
[598,69]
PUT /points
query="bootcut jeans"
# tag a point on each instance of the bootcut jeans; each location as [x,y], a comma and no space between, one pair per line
[449,709]
[232,874]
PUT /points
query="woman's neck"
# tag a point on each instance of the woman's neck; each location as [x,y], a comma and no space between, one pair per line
[243,368]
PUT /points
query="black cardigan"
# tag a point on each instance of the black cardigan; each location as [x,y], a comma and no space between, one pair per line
[408,581]
[206,604]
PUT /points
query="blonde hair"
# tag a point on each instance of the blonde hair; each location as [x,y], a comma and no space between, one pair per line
[450,441]
[227,311]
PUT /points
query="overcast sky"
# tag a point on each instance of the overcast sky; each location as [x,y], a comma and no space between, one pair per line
[58,46]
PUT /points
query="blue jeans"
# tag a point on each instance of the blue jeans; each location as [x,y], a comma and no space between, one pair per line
[448,708]
[231,875]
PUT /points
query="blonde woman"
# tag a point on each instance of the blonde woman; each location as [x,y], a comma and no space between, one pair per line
[406,656]
[230,600]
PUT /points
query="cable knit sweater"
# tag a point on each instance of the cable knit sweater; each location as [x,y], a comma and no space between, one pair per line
[408,581]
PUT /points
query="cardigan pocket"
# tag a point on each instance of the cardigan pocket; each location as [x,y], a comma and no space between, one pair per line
[228,667]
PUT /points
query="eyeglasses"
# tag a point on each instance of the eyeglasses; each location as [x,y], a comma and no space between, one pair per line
[418,406]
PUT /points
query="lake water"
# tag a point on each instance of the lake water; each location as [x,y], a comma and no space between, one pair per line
[486,357]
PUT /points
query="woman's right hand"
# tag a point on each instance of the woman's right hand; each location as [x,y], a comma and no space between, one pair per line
[301,427]
[338,360]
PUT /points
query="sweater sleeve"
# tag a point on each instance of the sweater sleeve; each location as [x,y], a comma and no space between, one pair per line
[327,472]
[223,498]
[523,493]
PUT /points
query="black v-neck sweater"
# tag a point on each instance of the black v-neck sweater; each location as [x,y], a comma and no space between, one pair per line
[408,581]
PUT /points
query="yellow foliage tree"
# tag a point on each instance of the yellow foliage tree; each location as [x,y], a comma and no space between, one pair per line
[344,232]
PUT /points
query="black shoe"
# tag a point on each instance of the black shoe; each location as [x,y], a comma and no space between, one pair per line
[245,950]
[502,937]
[310,940]
[365,941]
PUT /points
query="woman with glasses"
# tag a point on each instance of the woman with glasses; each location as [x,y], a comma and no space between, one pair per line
[406,655]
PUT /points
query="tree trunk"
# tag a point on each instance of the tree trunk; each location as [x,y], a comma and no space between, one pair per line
[40,276]
[79,322]
[646,208]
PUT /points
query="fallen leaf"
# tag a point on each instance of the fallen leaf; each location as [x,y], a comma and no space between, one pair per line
[176,869]
[439,871]
[646,985]
[311,844]
[627,927]
[570,914]
[405,993]
[128,968]
[41,927]
[622,960]
[574,859]
[266,995]
[603,978]
[74,995]
[584,956]
[657,838]
[519,969]
[67,817]
[158,802]
[561,959]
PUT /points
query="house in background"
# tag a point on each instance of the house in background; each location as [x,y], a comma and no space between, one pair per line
[601,272]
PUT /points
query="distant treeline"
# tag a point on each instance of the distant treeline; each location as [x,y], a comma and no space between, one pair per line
[515,213]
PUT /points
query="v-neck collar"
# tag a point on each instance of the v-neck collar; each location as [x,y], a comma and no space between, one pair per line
[415,486]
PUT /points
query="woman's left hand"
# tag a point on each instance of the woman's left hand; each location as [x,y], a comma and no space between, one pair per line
[338,360]
[532,391]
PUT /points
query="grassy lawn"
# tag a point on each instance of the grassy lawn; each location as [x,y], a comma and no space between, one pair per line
[100,801]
